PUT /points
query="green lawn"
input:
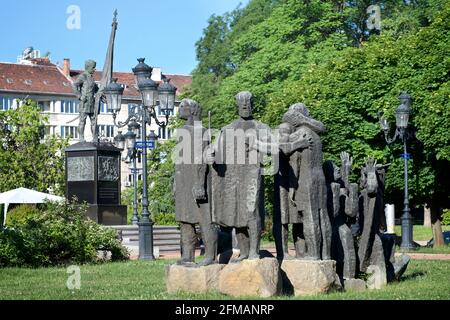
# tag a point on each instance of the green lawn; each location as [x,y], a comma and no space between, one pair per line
[145,280]
[421,233]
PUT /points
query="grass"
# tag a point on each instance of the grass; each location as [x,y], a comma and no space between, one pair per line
[145,280]
[421,233]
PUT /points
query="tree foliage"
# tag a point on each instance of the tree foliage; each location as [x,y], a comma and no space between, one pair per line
[321,53]
[26,159]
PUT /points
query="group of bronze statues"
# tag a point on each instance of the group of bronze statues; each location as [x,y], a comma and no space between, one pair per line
[221,187]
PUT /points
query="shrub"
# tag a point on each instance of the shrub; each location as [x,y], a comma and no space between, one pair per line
[165,219]
[19,215]
[59,234]
[446,217]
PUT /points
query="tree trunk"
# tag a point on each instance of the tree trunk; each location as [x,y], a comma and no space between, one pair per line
[427,216]
[438,237]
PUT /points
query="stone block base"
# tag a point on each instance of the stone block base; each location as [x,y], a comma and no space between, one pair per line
[192,279]
[306,277]
[377,277]
[260,278]
[355,285]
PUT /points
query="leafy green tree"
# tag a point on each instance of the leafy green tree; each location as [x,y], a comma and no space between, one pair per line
[321,53]
[347,91]
[26,158]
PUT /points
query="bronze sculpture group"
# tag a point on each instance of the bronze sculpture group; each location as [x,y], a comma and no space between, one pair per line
[221,185]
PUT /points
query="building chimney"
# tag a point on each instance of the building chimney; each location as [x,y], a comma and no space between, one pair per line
[156,74]
[66,67]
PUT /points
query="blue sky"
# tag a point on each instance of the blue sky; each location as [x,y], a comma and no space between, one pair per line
[164,32]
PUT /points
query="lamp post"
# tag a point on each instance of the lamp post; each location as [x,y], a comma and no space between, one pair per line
[139,120]
[134,172]
[402,114]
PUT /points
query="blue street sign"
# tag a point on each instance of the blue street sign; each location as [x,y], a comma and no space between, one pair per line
[145,144]
[407,156]
[135,170]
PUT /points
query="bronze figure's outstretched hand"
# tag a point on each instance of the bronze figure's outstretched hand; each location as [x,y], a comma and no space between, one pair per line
[198,193]
[210,155]
[347,161]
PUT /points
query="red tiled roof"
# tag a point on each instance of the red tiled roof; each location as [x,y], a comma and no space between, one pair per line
[46,78]
[33,79]
[127,78]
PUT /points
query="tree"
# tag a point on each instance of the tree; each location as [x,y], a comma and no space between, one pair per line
[26,159]
[320,53]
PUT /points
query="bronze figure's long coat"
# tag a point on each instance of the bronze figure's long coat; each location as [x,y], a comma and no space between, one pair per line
[238,190]
[188,175]
[86,87]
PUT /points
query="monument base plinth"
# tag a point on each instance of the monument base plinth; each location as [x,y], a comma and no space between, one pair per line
[259,277]
[181,278]
[305,277]
[109,215]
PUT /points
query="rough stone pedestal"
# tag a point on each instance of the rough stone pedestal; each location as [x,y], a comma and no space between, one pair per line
[260,277]
[192,279]
[377,277]
[355,285]
[305,277]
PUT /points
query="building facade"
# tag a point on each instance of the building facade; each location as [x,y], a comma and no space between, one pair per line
[51,87]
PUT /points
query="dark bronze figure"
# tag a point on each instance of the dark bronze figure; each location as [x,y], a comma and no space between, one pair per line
[309,192]
[371,207]
[86,89]
[192,197]
[238,197]
[342,199]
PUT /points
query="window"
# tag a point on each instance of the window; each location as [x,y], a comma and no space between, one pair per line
[103,107]
[165,133]
[69,131]
[6,103]
[161,113]
[132,108]
[44,106]
[70,106]
[106,131]
[49,131]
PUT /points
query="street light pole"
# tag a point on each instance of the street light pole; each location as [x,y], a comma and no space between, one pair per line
[407,226]
[135,217]
[150,93]
[402,114]
[146,223]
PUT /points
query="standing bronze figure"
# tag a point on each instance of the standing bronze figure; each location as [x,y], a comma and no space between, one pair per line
[342,208]
[309,193]
[238,198]
[192,197]
[86,89]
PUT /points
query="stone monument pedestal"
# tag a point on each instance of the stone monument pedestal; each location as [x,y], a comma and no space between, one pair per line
[260,278]
[192,279]
[93,175]
[305,277]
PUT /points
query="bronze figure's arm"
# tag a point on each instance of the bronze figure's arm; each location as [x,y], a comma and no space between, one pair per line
[77,85]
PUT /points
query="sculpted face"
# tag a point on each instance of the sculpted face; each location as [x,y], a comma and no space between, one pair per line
[90,66]
[285,130]
[185,111]
[244,102]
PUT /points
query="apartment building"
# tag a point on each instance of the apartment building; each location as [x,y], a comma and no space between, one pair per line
[51,87]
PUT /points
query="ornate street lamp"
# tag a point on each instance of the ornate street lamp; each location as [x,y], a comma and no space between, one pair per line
[402,114]
[167,96]
[137,127]
[113,93]
[119,140]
